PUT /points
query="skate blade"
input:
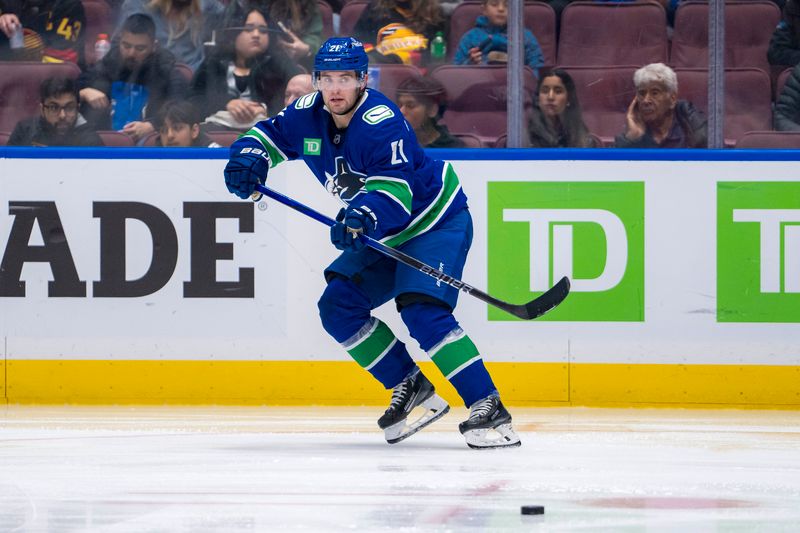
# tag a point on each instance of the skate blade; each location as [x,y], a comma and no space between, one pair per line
[434,409]
[503,436]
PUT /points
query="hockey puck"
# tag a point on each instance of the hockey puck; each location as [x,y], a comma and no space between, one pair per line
[532,509]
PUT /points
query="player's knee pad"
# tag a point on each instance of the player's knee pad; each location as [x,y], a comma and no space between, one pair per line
[428,322]
[343,308]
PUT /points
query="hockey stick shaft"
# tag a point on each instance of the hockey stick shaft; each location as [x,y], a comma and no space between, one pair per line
[533,309]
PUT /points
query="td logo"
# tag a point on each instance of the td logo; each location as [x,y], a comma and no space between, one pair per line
[758,252]
[592,232]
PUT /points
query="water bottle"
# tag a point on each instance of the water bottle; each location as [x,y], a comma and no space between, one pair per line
[101,46]
[438,48]
[17,39]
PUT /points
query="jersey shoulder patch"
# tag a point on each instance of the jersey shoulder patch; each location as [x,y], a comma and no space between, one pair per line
[377,114]
[304,102]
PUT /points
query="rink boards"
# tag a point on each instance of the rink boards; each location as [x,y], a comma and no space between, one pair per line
[136,279]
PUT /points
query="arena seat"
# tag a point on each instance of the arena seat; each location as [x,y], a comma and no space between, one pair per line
[19,88]
[349,16]
[604,94]
[605,34]
[115,138]
[540,18]
[223,137]
[769,139]
[99,19]
[4,136]
[470,141]
[477,99]
[748,30]
[748,98]
[326,12]
[391,75]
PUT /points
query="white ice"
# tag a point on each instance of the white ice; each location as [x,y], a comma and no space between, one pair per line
[199,469]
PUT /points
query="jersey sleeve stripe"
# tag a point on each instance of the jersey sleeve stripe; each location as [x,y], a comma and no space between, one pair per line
[275,154]
[430,216]
[396,189]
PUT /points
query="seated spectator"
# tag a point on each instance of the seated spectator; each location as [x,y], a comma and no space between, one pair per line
[53,30]
[400,30]
[181,26]
[784,47]
[126,89]
[243,81]
[58,123]
[298,25]
[299,85]
[422,102]
[556,120]
[656,118]
[179,126]
[787,108]
[487,42]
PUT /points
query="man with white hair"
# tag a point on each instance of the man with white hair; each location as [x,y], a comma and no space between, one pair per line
[656,118]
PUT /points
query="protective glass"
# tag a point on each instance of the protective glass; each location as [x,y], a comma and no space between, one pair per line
[55,109]
[249,28]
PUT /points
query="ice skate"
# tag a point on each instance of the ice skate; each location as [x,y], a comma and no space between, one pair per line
[416,391]
[489,425]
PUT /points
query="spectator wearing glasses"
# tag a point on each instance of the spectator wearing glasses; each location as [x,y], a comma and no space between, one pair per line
[182,26]
[243,81]
[58,123]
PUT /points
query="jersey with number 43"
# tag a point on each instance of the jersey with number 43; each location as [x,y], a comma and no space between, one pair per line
[375,163]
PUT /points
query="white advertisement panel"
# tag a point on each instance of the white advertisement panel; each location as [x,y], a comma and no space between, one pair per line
[153,259]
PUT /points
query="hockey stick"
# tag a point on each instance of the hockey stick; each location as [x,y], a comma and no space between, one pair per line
[533,309]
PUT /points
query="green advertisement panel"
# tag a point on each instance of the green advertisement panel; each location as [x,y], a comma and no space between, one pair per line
[592,232]
[758,252]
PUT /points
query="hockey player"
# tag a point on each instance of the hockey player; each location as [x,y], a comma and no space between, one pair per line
[360,148]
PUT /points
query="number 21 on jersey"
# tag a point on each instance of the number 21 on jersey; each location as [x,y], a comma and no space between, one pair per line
[398,156]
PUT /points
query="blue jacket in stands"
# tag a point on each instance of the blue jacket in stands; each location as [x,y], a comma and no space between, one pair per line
[495,39]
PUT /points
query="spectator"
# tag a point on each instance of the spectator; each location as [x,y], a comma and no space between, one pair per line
[784,47]
[53,30]
[422,102]
[58,123]
[557,121]
[487,42]
[787,108]
[656,118]
[244,80]
[126,90]
[182,26]
[298,25]
[400,30]
[299,85]
[179,126]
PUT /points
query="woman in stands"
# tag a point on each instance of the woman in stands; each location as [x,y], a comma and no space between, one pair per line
[557,121]
[182,26]
[403,29]
[297,29]
[243,81]
[422,101]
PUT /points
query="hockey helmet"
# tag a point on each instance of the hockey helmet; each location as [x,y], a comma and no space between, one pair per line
[341,53]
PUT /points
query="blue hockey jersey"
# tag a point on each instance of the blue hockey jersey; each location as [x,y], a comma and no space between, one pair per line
[375,162]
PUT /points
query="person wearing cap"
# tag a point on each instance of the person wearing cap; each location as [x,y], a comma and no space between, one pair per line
[422,101]
[359,147]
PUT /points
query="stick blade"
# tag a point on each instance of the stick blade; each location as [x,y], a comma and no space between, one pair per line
[544,303]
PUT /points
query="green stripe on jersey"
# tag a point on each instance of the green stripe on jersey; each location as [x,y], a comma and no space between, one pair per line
[428,218]
[396,188]
[449,357]
[371,343]
[275,155]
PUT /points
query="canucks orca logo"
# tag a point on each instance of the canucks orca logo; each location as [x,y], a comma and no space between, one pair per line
[345,183]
